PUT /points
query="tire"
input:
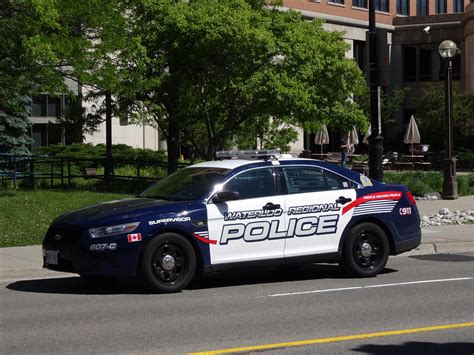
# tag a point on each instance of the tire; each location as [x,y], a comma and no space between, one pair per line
[168,263]
[365,251]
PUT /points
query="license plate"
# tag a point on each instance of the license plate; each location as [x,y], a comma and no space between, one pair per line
[52,257]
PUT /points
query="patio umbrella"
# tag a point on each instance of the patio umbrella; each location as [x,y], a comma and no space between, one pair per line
[412,135]
[365,140]
[322,137]
[353,137]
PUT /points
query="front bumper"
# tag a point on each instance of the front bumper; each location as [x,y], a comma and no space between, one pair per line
[73,253]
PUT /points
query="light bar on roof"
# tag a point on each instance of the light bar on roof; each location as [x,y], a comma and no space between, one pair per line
[248,154]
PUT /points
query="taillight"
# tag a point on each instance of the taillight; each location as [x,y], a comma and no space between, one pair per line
[410,198]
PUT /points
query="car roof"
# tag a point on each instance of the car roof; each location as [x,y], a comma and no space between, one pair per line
[236,163]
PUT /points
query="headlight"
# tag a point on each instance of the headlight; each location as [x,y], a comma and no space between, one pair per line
[112,230]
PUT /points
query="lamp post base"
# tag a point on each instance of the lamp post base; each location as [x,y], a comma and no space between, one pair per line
[450,184]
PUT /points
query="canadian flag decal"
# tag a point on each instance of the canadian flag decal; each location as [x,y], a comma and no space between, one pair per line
[135,237]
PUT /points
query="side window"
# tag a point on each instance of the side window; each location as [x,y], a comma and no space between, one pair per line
[253,183]
[300,179]
[337,182]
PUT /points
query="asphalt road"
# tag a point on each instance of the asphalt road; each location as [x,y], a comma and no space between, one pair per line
[248,309]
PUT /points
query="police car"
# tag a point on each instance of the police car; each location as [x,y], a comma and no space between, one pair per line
[238,213]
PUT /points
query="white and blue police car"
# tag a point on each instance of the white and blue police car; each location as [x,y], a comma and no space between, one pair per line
[238,213]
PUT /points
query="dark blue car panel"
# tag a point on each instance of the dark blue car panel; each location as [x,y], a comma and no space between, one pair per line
[118,255]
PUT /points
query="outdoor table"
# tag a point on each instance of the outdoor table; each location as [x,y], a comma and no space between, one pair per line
[413,158]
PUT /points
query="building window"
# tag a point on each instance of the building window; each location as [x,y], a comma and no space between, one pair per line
[38,106]
[46,106]
[417,62]
[359,54]
[424,64]
[359,3]
[382,5]
[403,7]
[458,6]
[440,6]
[422,8]
[409,63]
[337,2]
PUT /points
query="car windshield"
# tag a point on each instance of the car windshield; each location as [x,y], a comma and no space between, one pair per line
[187,184]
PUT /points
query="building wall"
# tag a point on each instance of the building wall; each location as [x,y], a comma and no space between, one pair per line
[137,136]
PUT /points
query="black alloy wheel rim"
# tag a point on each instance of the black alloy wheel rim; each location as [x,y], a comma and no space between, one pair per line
[367,251]
[169,263]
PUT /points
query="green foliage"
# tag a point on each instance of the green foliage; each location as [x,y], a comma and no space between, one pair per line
[420,182]
[15,125]
[90,151]
[430,117]
[21,228]
[214,68]
[266,133]
[390,103]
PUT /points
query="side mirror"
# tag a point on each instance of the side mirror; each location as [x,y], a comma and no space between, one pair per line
[224,196]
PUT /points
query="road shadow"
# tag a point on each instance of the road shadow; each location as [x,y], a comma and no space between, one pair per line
[79,286]
[113,286]
[415,347]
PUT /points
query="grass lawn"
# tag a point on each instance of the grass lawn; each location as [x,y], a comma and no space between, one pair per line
[26,215]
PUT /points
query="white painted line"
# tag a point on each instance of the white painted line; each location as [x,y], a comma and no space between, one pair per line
[369,286]
[316,291]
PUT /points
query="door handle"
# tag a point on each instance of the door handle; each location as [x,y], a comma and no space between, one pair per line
[271,206]
[343,200]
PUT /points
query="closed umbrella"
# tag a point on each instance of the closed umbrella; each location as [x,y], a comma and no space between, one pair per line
[412,135]
[365,140]
[352,138]
[322,137]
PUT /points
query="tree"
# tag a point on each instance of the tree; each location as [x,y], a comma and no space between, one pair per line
[42,42]
[215,68]
[430,116]
[29,63]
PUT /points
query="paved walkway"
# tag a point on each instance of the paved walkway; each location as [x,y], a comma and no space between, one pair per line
[26,262]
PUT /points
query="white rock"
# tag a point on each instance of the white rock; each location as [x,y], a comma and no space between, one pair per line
[443,211]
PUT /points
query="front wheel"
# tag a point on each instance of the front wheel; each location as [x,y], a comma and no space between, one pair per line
[365,251]
[168,263]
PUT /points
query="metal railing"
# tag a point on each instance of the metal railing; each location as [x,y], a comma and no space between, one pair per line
[63,171]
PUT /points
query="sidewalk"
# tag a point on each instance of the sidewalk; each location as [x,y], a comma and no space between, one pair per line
[26,262]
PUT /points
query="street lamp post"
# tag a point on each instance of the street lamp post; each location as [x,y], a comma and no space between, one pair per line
[448,49]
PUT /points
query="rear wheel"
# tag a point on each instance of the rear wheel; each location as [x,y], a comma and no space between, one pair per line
[365,251]
[168,263]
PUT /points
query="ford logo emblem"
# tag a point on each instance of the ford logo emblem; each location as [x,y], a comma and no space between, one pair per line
[57,237]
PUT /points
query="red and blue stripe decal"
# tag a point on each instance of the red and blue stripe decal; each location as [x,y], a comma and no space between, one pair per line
[204,237]
[377,202]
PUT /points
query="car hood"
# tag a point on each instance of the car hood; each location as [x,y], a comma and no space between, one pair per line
[121,211]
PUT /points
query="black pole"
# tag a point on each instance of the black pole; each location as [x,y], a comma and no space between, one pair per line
[450,185]
[108,138]
[375,139]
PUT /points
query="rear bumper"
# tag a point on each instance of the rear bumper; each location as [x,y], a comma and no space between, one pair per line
[407,244]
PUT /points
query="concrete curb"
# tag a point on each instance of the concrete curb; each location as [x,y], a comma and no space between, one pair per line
[28,271]
[441,248]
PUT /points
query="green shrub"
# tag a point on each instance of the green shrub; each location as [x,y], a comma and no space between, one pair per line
[421,182]
[89,151]
[466,184]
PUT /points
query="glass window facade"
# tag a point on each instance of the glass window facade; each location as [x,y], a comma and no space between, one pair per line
[360,3]
[458,6]
[382,5]
[422,8]
[403,7]
[440,6]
